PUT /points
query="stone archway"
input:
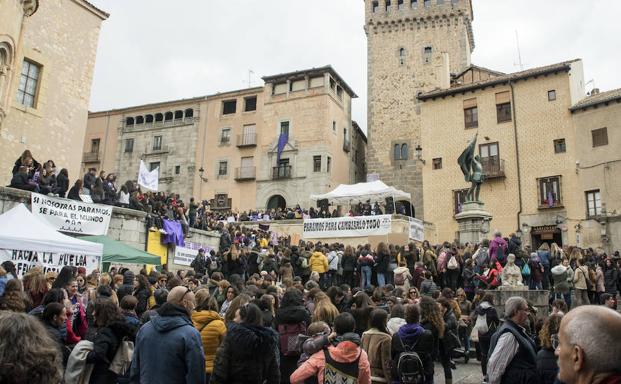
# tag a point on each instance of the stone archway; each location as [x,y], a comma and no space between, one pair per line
[405,206]
[276,201]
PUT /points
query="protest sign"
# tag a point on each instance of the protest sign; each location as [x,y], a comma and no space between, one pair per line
[357,226]
[24,260]
[417,229]
[72,216]
[184,256]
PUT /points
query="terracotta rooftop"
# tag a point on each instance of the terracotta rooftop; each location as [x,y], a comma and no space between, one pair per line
[502,79]
[597,99]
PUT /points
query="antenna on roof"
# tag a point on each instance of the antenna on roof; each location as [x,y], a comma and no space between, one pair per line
[250,73]
[517,42]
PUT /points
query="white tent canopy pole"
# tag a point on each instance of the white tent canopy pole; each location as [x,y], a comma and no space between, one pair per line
[362,192]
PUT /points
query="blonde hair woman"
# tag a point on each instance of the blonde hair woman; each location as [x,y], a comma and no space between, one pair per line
[324,309]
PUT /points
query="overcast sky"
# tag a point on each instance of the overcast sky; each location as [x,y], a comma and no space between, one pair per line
[150,50]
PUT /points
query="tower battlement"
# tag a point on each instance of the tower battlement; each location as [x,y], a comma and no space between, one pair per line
[385,16]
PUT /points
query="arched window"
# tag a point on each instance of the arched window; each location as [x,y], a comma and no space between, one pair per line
[139,120]
[168,116]
[159,117]
[397,152]
[404,151]
[401,55]
[178,115]
[129,121]
[149,119]
[189,112]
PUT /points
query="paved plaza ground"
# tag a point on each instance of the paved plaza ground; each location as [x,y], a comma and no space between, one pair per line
[464,374]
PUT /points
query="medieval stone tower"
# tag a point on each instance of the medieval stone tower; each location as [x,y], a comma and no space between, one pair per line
[413,46]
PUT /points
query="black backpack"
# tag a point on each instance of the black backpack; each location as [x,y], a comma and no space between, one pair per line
[410,369]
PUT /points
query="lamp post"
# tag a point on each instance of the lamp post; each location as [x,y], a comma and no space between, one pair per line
[419,154]
[200,174]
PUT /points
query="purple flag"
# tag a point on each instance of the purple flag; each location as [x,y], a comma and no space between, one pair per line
[282,140]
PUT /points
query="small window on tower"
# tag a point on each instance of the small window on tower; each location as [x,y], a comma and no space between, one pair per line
[399,4]
[437,163]
[551,95]
[414,4]
[401,55]
[375,6]
[387,5]
[427,51]
[427,3]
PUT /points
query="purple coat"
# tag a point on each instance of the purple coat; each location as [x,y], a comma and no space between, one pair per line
[495,244]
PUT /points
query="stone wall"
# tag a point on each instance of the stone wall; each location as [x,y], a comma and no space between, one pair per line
[538,299]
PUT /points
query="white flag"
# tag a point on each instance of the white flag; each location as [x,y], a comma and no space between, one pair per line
[148,179]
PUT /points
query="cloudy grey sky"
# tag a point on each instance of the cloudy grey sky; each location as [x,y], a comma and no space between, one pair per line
[150,50]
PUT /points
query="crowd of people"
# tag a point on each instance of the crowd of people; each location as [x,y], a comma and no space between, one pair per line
[102,188]
[262,310]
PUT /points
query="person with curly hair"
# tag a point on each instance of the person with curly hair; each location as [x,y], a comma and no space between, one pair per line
[35,286]
[547,365]
[27,352]
[14,298]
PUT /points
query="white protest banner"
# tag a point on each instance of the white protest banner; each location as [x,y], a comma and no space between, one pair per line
[24,260]
[184,256]
[72,216]
[148,179]
[357,226]
[417,229]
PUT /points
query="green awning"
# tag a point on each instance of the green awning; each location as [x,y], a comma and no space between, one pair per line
[115,252]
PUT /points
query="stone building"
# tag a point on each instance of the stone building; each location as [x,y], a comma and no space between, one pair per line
[224,147]
[548,151]
[597,123]
[412,47]
[47,56]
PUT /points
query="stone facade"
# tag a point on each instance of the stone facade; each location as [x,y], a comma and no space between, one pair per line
[411,48]
[44,35]
[598,166]
[358,171]
[233,138]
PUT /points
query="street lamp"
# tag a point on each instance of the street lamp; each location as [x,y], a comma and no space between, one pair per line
[200,174]
[419,154]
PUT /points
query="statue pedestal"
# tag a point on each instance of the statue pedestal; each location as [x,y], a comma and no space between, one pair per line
[513,288]
[537,298]
[473,222]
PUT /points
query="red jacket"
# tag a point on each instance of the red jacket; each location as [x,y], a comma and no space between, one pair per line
[344,352]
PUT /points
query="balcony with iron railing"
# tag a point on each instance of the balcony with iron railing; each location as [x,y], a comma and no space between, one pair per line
[90,157]
[247,140]
[245,173]
[281,172]
[493,167]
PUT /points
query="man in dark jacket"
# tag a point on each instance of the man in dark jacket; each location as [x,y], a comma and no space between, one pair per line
[199,264]
[20,181]
[513,357]
[89,179]
[168,348]
[413,337]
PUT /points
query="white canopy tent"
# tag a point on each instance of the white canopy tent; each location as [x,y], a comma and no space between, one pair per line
[362,192]
[21,230]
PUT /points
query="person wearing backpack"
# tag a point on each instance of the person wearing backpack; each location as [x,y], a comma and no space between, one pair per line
[412,350]
[402,276]
[485,319]
[291,320]
[342,362]
[453,269]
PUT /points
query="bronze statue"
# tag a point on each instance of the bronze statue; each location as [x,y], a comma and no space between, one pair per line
[470,165]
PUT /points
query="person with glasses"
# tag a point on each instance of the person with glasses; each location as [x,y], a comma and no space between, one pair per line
[413,296]
[589,346]
[512,356]
[169,348]
[547,367]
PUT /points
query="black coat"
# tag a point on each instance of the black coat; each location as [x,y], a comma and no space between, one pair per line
[74,194]
[18,163]
[547,367]
[62,184]
[143,300]
[382,262]
[128,285]
[348,263]
[105,344]
[256,347]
